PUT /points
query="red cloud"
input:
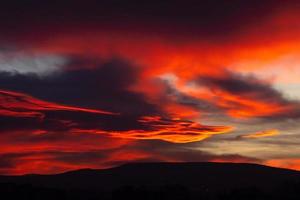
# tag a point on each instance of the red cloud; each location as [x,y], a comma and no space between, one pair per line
[16,104]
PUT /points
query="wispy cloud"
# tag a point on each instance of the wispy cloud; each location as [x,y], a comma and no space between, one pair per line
[261,134]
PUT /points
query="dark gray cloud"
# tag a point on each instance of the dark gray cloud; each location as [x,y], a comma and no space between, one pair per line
[105,88]
[252,89]
[247,86]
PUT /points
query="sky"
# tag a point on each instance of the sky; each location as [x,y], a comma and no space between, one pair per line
[95,84]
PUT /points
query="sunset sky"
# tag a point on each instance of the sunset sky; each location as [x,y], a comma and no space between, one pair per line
[95,84]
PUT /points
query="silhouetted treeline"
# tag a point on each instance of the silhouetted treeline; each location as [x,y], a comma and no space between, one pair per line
[27,192]
[285,191]
[174,192]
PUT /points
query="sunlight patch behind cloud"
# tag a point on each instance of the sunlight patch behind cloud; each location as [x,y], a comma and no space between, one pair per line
[40,64]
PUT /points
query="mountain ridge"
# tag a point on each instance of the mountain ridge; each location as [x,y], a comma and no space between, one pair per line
[194,175]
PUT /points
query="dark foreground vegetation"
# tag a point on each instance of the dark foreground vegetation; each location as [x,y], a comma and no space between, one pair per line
[288,191]
[158,182]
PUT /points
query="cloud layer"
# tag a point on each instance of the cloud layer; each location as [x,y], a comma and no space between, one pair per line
[99,83]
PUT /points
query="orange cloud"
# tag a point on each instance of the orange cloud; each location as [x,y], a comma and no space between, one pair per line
[175,131]
[170,130]
[266,133]
[288,163]
[243,107]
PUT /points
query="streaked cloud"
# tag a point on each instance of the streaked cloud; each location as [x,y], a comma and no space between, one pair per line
[266,133]
[21,105]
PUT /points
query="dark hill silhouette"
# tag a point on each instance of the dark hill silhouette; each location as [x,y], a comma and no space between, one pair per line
[215,178]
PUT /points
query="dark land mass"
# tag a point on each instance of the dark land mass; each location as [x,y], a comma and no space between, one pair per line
[158,181]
